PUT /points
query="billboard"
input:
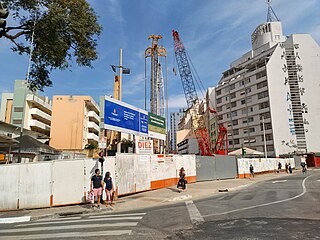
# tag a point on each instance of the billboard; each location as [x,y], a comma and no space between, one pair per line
[144,146]
[157,126]
[123,117]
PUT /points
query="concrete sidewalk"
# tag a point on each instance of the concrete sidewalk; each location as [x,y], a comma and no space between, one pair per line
[145,199]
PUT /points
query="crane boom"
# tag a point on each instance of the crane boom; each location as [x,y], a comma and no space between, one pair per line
[198,123]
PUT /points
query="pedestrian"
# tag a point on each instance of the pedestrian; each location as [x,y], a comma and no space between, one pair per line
[279,167]
[290,168]
[287,168]
[97,186]
[182,181]
[304,167]
[109,188]
[251,168]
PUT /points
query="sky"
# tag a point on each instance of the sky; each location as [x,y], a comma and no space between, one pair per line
[214,32]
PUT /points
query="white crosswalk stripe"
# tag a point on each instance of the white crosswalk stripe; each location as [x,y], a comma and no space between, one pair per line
[74,227]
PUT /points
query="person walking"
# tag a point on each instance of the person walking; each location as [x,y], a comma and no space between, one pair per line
[279,167]
[97,186]
[287,168]
[304,167]
[109,188]
[182,181]
[251,168]
[290,168]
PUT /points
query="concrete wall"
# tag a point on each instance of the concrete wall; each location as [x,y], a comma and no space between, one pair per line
[261,165]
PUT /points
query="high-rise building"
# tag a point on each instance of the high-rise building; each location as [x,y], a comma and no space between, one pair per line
[27,108]
[75,122]
[175,118]
[271,94]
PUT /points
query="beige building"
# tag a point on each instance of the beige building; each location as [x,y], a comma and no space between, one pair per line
[75,122]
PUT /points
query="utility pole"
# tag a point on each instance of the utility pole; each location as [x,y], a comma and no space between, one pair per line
[120,75]
[264,138]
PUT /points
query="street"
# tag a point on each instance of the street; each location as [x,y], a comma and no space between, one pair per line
[287,208]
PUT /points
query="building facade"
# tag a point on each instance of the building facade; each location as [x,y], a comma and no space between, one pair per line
[26,108]
[270,94]
[75,122]
[175,118]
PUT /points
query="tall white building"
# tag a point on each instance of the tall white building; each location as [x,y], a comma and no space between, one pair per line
[278,83]
[27,108]
[175,118]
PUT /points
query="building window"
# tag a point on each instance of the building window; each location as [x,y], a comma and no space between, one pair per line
[219,109]
[248,90]
[268,137]
[245,130]
[228,106]
[244,121]
[270,148]
[243,102]
[261,74]
[234,114]
[219,100]
[233,104]
[267,126]
[235,132]
[232,95]
[220,117]
[236,141]
[17,121]
[263,94]
[262,84]
[235,122]
[232,86]
[250,119]
[249,99]
[218,92]
[18,109]
[263,105]
[251,130]
[266,115]
[228,115]
[230,142]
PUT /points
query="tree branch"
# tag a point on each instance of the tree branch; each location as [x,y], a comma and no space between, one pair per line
[23,27]
[12,37]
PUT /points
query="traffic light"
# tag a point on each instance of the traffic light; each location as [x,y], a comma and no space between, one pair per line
[4,13]
[244,151]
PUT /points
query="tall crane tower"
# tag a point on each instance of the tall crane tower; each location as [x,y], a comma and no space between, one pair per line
[198,122]
[156,76]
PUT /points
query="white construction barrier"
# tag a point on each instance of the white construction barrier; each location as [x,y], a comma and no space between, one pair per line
[261,165]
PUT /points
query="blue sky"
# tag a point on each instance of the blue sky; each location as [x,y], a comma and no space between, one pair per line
[215,33]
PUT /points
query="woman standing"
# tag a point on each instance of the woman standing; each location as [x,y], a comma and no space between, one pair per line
[109,188]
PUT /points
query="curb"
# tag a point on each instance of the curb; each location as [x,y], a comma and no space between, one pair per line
[15,219]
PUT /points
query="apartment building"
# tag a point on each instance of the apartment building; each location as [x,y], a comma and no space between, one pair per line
[26,108]
[75,122]
[175,118]
[271,94]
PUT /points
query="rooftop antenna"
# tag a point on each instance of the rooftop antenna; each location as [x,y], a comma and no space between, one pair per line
[271,17]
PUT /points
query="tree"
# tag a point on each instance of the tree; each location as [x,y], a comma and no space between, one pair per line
[64,30]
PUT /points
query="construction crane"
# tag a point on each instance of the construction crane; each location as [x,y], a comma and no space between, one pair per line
[193,103]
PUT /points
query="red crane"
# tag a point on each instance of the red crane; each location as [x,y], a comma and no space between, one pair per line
[198,123]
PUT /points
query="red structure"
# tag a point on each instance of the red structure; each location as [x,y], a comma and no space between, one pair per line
[198,123]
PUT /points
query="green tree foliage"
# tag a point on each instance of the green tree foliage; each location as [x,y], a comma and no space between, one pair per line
[64,31]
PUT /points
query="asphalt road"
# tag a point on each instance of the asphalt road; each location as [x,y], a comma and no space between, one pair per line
[286,208]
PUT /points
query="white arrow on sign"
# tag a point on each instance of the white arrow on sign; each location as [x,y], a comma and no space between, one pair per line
[279,181]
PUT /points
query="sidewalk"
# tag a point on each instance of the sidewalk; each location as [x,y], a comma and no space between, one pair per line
[144,200]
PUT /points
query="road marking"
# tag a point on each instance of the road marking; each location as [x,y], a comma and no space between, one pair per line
[279,181]
[15,219]
[68,235]
[194,213]
[117,215]
[84,226]
[57,219]
[79,221]
[304,190]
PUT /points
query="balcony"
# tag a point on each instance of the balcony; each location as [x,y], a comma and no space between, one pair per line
[39,125]
[38,101]
[37,113]
[92,114]
[93,136]
[93,125]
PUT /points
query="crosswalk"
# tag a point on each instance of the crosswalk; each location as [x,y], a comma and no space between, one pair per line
[84,227]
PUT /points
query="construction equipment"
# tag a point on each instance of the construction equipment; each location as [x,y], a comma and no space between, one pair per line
[198,122]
